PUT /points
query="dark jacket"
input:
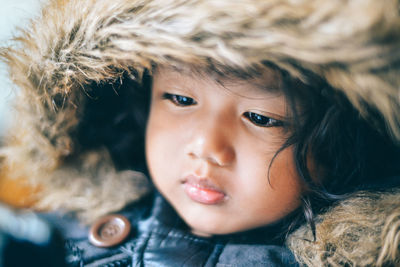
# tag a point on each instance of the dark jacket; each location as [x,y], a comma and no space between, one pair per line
[158,237]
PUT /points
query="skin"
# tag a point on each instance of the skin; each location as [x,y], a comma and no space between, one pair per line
[209,135]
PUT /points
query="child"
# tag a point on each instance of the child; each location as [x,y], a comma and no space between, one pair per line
[270,127]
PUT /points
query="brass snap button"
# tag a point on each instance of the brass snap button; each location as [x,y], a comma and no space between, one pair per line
[109,231]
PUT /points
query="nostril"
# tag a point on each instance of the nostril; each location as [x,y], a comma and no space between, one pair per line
[225,157]
[195,149]
[216,151]
[222,158]
[192,155]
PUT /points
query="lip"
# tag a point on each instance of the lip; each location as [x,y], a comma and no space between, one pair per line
[203,190]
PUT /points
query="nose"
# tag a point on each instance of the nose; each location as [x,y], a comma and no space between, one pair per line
[212,142]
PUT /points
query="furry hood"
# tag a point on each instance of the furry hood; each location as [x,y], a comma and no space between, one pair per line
[74,44]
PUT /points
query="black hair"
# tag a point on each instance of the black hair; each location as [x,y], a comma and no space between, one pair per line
[115,117]
[337,151]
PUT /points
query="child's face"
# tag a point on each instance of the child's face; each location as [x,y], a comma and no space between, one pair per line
[209,146]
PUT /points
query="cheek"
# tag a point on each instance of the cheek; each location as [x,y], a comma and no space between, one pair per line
[285,180]
[154,143]
[284,166]
[275,191]
[161,144]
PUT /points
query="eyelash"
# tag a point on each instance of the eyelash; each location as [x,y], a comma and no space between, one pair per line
[179,100]
[255,118]
[262,121]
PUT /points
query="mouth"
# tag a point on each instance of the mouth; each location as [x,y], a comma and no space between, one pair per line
[203,190]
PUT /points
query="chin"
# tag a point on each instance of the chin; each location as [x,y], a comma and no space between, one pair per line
[210,228]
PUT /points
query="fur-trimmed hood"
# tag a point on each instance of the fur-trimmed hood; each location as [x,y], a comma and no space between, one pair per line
[75,44]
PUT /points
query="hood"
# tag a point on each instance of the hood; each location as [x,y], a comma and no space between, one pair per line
[363,230]
[75,45]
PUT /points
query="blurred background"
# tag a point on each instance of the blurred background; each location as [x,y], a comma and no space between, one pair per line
[13,13]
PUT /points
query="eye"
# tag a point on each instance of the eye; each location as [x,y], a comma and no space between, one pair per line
[179,100]
[262,121]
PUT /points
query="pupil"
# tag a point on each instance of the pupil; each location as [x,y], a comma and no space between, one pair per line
[183,100]
[259,119]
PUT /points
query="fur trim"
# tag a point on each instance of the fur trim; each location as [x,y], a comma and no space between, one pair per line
[76,42]
[97,188]
[361,231]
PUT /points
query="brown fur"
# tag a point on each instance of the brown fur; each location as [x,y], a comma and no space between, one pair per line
[361,231]
[353,44]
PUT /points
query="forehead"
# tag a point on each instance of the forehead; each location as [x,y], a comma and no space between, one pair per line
[255,85]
